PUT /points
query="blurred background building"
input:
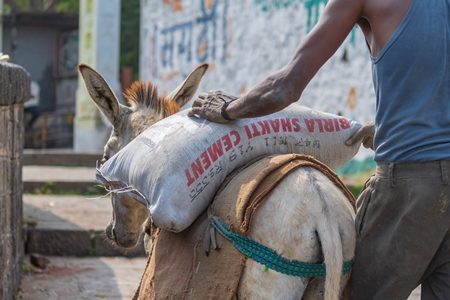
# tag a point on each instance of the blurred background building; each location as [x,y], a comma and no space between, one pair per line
[43,36]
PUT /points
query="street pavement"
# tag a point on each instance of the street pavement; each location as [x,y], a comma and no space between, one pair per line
[70,278]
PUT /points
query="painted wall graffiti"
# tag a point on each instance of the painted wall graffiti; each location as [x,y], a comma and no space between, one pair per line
[175,4]
[313,8]
[176,47]
[202,30]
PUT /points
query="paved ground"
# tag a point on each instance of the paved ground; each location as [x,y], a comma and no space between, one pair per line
[84,278]
[58,177]
[91,278]
[70,277]
[68,212]
[58,174]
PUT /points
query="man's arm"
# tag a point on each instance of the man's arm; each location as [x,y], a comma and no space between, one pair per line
[286,85]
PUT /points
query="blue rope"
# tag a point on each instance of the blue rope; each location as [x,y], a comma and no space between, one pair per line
[270,258]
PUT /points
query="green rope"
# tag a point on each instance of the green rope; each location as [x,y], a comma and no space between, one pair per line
[270,258]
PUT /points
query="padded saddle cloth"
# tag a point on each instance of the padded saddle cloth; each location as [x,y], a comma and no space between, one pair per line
[179,267]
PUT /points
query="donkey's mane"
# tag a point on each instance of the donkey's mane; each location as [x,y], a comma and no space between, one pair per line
[144,95]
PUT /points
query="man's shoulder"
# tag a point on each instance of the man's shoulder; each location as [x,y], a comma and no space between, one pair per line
[379,6]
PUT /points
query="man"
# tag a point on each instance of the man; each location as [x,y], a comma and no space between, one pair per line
[403,218]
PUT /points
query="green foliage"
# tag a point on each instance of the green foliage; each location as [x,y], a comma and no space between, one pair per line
[28,221]
[129,35]
[24,5]
[68,6]
[49,188]
[27,268]
[356,190]
[91,251]
[18,296]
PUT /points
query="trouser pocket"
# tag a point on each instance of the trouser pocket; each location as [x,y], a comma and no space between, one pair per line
[362,203]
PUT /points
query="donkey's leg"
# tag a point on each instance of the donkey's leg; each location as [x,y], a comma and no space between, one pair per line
[285,222]
[258,283]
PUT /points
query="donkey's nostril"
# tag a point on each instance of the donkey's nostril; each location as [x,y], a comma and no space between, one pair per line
[114,233]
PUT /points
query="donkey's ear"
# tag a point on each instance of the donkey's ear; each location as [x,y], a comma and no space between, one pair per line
[186,90]
[101,93]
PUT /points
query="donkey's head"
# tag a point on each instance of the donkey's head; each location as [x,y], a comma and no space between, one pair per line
[144,109]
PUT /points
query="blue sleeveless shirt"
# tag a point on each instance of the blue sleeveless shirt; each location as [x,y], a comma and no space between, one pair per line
[411,76]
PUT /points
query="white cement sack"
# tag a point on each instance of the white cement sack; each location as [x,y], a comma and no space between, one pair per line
[176,166]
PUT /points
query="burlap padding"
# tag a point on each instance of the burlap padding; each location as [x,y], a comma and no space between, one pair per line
[258,180]
[179,268]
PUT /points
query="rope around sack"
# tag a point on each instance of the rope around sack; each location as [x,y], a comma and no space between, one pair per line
[270,258]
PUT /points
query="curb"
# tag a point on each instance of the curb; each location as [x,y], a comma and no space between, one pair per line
[59,157]
[79,243]
[87,187]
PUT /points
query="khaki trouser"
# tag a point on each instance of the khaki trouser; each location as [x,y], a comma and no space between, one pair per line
[403,236]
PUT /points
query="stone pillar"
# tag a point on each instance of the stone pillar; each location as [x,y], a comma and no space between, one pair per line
[99,47]
[14,90]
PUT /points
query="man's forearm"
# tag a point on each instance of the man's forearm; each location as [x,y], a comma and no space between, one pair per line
[270,95]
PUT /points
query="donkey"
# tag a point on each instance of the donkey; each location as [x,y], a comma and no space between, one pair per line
[310,218]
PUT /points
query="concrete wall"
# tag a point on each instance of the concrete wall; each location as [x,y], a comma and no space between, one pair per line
[244,41]
[14,90]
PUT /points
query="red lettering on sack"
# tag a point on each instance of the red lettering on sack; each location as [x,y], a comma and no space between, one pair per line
[296,124]
[275,124]
[265,128]
[237,137]
[197,170]
[328,125]
[227,143]
[211,155]
[190,180]
[248,132]
[345,124]
[286,125]
[319,123]
[309,124]
[256,132]
[336,124]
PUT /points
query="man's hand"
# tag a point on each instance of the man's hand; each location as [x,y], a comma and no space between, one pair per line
[212,106]
[364,134]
